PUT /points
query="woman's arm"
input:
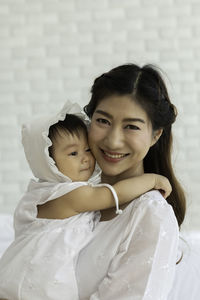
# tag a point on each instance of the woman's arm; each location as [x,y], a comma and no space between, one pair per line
[144,266]
[88,198]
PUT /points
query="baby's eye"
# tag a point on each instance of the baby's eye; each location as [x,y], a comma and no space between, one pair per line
[74,153]
[133,127]
[102,121]
[88,150]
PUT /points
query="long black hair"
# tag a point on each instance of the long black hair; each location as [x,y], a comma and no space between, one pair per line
[146,86]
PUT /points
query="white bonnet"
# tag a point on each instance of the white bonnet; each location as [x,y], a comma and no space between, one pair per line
[36,143]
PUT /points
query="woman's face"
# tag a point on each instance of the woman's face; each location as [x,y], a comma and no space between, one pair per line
[120,136]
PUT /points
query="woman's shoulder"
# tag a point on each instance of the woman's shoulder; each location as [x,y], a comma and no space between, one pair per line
[152,214]
[151,210]
[154,203]
[153,197]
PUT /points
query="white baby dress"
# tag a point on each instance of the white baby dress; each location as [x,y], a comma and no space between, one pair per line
[40,263]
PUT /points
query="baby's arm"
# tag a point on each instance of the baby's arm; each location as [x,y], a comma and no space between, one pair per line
[132,188]
[88,198]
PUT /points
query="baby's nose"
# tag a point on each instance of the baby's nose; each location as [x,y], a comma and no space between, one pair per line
[85,157]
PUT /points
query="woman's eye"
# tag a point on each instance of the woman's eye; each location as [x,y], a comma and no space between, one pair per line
[74,153]
[102,121]
[133,127]
[88,150]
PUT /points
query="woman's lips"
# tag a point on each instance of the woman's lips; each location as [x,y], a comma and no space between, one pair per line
[113,156]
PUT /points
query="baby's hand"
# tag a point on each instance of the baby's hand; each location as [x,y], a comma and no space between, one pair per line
[163,185]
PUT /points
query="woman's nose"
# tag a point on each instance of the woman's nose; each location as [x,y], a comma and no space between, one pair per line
[114,139]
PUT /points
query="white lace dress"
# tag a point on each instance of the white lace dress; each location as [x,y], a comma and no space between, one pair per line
[133,256]
[40,263]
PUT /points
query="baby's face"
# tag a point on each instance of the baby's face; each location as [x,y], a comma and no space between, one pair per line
[73,157]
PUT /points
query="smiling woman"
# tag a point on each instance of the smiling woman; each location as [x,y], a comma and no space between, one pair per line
[134,255]
[130,92]
[120,136]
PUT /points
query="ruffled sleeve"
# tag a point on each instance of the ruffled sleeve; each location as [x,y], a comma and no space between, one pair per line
[144,266]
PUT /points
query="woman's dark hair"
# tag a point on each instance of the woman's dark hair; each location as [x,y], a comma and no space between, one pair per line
[146,86]
[72,124]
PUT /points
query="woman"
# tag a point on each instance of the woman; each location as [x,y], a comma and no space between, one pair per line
[134,255]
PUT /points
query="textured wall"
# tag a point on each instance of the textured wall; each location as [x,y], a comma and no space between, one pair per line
[51,50]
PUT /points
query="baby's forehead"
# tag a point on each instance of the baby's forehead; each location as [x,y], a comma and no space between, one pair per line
[64,135]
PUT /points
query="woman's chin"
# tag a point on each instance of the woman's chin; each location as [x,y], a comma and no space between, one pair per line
[111,171]
[121,172]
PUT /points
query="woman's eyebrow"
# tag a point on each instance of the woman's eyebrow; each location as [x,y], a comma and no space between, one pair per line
[104,113]
[134,120]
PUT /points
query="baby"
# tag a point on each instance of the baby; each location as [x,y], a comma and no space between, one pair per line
[57,215]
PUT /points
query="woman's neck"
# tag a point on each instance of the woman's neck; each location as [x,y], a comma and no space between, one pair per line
[110,179]
[110,213]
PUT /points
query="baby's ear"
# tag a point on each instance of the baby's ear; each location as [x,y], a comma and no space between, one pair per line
[156,135]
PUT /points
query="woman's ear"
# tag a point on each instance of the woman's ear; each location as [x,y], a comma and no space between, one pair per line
[156,135]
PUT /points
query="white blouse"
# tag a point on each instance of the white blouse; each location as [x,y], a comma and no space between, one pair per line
[132,256]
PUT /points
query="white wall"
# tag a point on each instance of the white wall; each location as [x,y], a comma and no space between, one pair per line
[51,50]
